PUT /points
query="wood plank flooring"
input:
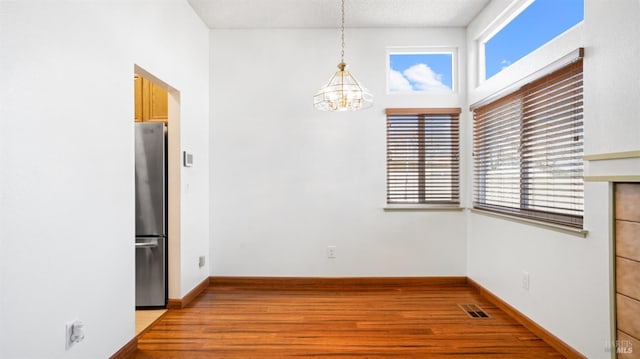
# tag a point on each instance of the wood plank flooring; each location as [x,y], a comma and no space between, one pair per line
[145,318]
[409,322]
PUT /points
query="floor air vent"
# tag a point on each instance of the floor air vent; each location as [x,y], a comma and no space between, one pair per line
[474,311]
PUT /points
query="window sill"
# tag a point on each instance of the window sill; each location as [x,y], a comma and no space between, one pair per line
[419,207]
[554,227]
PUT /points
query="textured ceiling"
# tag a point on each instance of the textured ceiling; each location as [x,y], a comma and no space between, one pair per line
[245,14]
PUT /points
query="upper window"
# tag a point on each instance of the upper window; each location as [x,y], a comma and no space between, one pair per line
[422,156]
[537,23]
[423,70]
[528,150]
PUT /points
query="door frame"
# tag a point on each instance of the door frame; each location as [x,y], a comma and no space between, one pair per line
[174,168]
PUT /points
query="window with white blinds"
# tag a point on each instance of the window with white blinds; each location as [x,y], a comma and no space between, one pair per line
[423,156]
[528,150]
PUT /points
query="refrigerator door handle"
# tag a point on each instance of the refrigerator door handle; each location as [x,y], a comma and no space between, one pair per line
[152,244]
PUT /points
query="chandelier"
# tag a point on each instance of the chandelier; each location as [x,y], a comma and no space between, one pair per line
[342,92]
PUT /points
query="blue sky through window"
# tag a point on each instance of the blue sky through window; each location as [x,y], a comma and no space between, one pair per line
[410,72]
[538,24]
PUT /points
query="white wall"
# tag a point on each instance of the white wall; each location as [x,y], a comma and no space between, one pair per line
[612,81]
[66,164]
[570,276]
[612,78]
[288,180]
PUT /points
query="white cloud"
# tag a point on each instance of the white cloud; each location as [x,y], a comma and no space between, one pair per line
[418,77]
[424,78]
[397,82]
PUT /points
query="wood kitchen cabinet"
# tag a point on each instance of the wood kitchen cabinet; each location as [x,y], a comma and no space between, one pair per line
[151,101]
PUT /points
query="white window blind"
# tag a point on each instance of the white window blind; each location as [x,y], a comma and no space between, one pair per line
[423,156]
[528,150]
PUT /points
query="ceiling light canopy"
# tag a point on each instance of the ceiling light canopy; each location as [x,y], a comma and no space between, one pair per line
[343,92]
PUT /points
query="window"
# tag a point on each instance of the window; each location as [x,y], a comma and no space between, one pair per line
[528,150]
[422,156]
[423,70]
[538,23]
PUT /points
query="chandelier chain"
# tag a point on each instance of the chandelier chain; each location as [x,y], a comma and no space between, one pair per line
[342,32]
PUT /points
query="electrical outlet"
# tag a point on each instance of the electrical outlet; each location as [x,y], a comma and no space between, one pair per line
[526,280]
[331,252]
[74,333]
[201,261]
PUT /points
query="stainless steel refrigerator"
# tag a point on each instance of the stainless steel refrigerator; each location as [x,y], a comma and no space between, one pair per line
[151,215]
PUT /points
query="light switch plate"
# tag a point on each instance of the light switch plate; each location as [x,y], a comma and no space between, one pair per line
[187,159]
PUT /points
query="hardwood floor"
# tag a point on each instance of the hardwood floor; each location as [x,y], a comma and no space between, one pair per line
[408,322]
[146,318]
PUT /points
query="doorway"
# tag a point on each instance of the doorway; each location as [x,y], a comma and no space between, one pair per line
[158,102]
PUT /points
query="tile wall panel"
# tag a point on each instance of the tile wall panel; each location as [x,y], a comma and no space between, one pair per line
[627,263]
